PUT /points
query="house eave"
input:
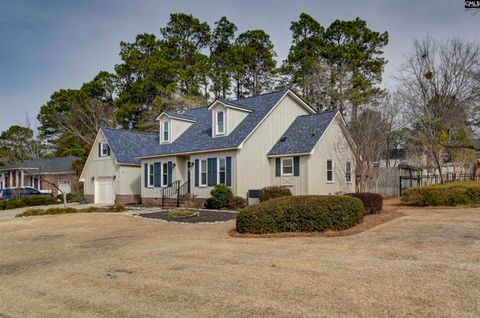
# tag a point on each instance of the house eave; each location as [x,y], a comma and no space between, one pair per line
[290,155]
[187,153]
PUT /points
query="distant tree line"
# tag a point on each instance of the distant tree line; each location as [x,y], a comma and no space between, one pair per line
[340,66]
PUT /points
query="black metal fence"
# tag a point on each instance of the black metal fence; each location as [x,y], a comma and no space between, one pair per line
[407,182]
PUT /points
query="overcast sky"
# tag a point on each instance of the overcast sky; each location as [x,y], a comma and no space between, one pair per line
[46,45]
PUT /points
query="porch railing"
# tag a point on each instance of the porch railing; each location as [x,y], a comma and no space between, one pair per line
[169,191]
[175,188]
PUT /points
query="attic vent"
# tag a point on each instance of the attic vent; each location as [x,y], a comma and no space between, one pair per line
[283,138]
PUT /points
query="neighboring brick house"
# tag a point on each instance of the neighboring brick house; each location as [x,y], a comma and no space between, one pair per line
[42,174]
[247,144]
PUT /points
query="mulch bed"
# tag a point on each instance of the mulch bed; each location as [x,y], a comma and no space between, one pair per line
[202,217]
[369,221]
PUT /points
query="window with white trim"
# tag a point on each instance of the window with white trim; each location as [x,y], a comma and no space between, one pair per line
[222,168]
[164,174]
[220,119]
[348,172]
[104,149]
[165,131]
[203,172]
[151,175]
[287,166]
[330,170]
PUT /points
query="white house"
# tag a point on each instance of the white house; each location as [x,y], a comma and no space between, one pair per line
[247,144]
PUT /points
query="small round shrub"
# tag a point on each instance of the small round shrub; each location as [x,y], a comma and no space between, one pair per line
[33,200]
[373,202]
[272,192]
[3,205]
[309,213]
[178,213]
[14,204]
[221,195]
[71,197]
[237,203]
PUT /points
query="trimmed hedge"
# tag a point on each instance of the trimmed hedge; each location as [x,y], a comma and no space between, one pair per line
[373,202]
[31,200]
[448,194]
[53,211]
[308,213]
[221,196]
[272,192]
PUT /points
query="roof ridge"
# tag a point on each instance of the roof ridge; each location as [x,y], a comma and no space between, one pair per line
[131,131]
[234,100]
[320,113]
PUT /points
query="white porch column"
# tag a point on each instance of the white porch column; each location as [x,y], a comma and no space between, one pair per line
[22,178]
[11,179]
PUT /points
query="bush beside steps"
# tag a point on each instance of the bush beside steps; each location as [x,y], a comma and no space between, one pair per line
[53,211]
[309,213]
[448,194]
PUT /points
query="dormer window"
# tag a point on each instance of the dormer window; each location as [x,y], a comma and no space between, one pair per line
[165,131]
[103,150]
[220,119]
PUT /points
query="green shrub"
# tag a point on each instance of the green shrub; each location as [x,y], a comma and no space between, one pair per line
[14,204]
[178,213]
[448,194]
[237,203]
[301,214]
[3,205]
[53,211]
[373,202]
[272,192]
[72,197]
[221,195]
[34,200]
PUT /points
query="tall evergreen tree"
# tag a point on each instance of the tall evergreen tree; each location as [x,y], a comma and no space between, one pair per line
[185,38]
[304,60]
[354,55]
[255,58]
[222,57]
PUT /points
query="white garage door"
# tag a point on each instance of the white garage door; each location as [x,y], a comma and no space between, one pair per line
[104,193]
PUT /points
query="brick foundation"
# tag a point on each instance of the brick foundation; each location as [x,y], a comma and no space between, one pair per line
[151,202]
[89,198]
[128,199]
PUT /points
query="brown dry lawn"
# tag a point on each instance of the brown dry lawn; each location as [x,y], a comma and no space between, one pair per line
[426,263]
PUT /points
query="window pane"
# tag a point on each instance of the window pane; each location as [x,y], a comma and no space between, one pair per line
[204,165]
[330,175]
[329,164]
[220,122]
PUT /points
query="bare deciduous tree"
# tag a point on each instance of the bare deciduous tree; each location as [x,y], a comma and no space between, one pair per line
[438,85]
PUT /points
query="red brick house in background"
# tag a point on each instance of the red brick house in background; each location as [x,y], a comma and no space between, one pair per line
[42,174]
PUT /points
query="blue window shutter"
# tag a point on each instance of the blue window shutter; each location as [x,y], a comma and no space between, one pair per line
[296,166]
[99,149]
[229,171]
[277,167]
[197,171]
[211,163]
[157,174]
[145,174]
[170,168]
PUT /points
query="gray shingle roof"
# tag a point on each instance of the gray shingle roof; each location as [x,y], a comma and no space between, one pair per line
[128,145]
[303,134]
[180,115]
[198,137]
[61,164]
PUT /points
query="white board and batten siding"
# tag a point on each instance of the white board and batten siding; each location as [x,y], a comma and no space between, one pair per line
[121,179]
[333,145]
[255,169]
